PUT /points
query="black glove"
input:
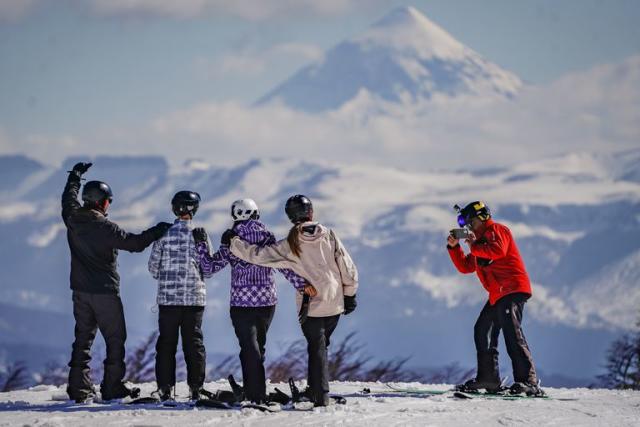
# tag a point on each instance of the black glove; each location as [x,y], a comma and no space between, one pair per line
[200,235]
[160,229]
[79,169]
[227,236]
[349,304]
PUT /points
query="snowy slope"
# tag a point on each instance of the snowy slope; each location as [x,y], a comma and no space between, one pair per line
[404,56]
[592,408]
[563,211]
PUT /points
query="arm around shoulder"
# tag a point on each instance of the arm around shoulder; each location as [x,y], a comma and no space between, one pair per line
[277,255]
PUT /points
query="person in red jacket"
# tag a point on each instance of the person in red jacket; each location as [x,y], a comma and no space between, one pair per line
[495,258]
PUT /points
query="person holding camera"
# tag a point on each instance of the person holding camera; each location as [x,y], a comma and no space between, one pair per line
[495,258]
[94,242]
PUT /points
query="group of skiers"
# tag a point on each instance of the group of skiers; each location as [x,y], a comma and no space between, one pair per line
[312,258]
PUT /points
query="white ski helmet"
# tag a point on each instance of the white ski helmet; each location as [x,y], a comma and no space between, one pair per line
[244,209]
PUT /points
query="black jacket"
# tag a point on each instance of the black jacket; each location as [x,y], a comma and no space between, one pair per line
[94,242]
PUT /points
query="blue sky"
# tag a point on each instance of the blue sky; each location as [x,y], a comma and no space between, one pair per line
[72,67]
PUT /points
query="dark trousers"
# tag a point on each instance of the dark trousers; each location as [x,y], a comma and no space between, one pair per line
[186,321]
[505,315]
[251,325]
[94,312]
[317,331]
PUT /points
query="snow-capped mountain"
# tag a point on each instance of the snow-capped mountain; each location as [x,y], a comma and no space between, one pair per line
[404,56]
[574,217]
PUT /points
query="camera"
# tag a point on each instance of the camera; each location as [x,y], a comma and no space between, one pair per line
[460,233]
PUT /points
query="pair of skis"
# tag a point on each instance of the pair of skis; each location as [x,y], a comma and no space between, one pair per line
[465,394]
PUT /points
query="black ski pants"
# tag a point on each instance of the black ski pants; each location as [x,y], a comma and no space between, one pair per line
[317,331]
[93,312]
[251,325]
[506,315]
[186,321]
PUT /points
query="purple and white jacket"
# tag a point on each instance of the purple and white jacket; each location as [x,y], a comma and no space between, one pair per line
[251,285]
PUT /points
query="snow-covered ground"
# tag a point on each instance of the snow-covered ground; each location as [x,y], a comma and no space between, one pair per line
[41,406]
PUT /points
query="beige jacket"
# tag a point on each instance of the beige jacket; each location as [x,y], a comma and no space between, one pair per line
[324,262]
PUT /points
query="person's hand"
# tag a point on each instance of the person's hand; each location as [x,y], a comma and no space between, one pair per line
[161,228]
[471,239]
[350,304]
[310,290]
[79,169]
[227,236]
[452,241]
[200,235]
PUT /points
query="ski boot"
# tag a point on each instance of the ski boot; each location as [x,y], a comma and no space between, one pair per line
[86,398]
[194,393]
[238,390]
[279,396]
[120,392]
[165,393]
[529,389]
[474,385]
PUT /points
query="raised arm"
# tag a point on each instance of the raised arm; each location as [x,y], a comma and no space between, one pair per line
[70,203]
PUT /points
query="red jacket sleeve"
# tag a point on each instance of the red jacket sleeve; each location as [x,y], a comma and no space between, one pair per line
[464,263]
[493,245]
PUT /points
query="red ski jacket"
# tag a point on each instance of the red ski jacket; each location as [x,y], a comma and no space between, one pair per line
[496,260]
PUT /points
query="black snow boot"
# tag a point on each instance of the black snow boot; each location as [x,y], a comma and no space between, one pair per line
[322,400]
[527,388]
[194,393]
[165,393]
[475,385]
[119,392]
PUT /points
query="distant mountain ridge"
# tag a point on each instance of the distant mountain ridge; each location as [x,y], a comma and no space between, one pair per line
[563,212]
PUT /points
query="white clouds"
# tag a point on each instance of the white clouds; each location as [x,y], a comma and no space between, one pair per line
[252,10]
[576,113]
[254,62]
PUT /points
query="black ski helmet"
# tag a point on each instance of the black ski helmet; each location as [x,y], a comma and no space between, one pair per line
[472,210]
[298,208]
[96,192]
[185,202]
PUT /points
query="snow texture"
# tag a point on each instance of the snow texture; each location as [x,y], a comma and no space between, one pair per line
[45,406]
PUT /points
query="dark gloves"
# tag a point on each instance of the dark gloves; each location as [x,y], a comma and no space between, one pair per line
[227,236]
[160,229]
[79,169]
[349,304]
[200,235]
